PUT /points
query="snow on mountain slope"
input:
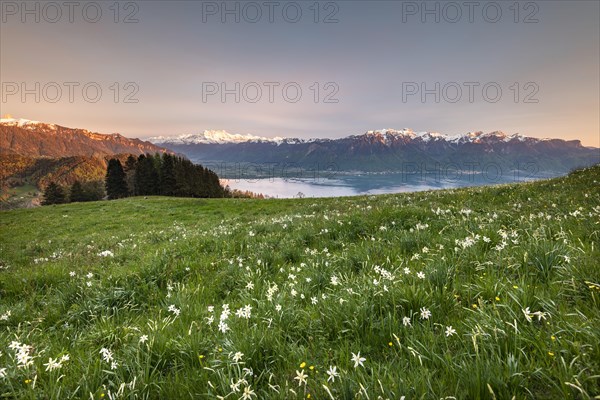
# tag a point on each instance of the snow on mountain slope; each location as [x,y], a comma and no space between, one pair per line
[386,135]
[24,123]
[212,137]
[39,139]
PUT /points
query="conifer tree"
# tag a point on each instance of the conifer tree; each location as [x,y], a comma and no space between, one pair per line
[54,194]
[130,166]
[94,190]
[168,184]
[146,176]
[116,187]
[77,194]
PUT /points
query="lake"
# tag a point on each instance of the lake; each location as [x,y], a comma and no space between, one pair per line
[353,185]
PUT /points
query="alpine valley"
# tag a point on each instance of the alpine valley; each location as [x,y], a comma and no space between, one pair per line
[35,153]
[385,151]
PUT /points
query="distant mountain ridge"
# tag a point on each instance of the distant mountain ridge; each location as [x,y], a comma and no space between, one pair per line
[387,150]
[388,136]
[375,151]
[213,137]
[39,139]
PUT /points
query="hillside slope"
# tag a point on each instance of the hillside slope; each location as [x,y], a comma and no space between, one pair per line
[33,153]
[62,170]
[35,173]
[38,139]
[472,293]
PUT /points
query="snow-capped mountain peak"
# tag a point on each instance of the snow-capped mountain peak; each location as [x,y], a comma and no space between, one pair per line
[23,123]
[395,132]
[213,137]
[407,133]
[385,135]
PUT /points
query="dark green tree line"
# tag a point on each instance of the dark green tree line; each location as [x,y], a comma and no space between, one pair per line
[164,175]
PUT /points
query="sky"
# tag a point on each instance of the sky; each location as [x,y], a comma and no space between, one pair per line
[305,69]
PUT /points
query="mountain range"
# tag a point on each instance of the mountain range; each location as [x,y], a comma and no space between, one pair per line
[386,150]
[39,139]
[388,135]
[33,153]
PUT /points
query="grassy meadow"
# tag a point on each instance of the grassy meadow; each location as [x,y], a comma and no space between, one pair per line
[477,293]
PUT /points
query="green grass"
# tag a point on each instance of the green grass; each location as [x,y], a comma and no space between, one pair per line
[513,269]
